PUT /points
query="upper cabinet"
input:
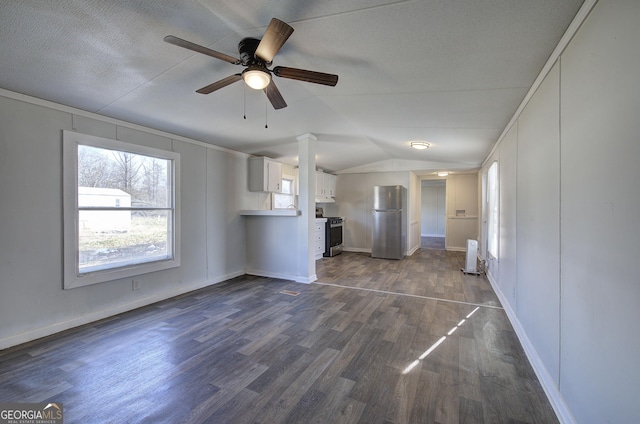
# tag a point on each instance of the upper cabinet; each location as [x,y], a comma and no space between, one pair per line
[330,185]
[325,187]
[265,175]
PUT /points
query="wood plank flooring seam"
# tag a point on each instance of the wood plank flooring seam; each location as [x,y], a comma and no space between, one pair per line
[408,295]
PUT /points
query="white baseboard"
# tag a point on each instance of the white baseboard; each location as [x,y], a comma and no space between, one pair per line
[283,276]
[57,327]
[414,250]
[308,280]
[455,249]
[548,384]
[270,274]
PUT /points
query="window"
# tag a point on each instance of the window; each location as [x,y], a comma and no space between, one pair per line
[492,209]
[286,198]
[120,209]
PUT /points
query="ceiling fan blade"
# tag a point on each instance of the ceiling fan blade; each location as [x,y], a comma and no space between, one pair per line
[307,76]
[220,84]
[200,49]
[274,37]
[274,96]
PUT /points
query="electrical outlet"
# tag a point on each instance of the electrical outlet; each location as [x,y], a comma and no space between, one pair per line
[135,285]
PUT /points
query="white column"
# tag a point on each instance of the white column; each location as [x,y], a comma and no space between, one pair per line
[307,206]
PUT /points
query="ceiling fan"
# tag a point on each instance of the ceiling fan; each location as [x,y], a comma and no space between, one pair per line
[256,56]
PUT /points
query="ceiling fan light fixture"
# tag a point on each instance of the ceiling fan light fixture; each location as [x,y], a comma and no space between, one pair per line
[256,78]
[420,145]
[256,56]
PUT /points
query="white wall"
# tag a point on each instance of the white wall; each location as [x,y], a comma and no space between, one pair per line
[569,222]
[462,195]
[600,215]
[272,246]
[538,222]
[354,200]
[32,302]
[414,205]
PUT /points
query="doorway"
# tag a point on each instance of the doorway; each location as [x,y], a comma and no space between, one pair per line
[433,214]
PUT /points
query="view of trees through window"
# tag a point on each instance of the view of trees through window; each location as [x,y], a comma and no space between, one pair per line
[124,208]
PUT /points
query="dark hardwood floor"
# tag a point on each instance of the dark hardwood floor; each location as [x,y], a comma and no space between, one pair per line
[373,341]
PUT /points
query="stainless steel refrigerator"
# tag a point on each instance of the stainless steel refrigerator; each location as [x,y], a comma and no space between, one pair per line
[389,216]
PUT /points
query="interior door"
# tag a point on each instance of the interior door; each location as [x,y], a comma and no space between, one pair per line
[441,210]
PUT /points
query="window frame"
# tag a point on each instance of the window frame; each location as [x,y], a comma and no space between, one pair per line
[493,211]
[72,278]
[294,201]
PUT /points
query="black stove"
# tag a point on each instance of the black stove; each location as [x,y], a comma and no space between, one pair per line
[333,236]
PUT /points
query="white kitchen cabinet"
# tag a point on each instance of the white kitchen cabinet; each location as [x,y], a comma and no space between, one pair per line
[330,185]
[265,175]
[319,184]
[320,237]
[325,187]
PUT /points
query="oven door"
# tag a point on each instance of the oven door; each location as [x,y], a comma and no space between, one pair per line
[333,239]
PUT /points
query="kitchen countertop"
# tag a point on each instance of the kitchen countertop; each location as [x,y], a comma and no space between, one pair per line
[278,212]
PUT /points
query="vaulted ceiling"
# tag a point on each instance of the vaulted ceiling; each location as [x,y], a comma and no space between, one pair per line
[448,72]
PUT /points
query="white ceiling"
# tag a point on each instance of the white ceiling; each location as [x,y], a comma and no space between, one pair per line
[451,72]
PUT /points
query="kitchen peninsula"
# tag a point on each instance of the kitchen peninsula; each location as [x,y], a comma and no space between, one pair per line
[273,245]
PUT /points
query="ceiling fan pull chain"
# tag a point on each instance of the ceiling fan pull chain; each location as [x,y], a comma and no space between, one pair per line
[265,114]
[244,99]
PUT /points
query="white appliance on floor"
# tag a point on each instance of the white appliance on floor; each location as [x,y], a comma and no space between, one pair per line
[470,264]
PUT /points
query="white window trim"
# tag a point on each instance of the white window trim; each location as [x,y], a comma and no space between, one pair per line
[71,279]
[493,255]
[294,205]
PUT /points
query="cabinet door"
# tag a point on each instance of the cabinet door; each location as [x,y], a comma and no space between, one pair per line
[330,185]
[274,176]
[320,239]
[320,184]
[265,175]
